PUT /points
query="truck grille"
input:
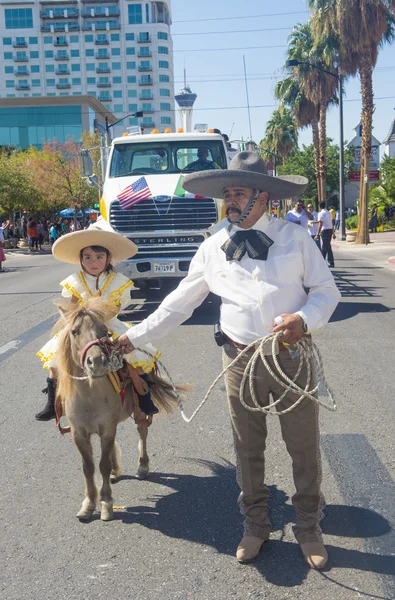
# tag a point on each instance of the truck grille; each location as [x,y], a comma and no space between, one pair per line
[177,214]
[181,247]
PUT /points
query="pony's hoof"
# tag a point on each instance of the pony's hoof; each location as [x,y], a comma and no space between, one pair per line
[114,477]
[142,472]
[107,512]
[85,514]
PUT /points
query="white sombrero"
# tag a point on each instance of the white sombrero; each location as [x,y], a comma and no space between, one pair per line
[67,248]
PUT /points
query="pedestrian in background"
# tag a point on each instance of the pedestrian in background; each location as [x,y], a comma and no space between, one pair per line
[41,232]
[326,231]
[299,215]
[337,220]
[373,221]
[32,234]
[53,234]
[313,225]
[333,214]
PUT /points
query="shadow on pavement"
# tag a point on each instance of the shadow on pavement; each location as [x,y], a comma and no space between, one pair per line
[203,510]
[347,310]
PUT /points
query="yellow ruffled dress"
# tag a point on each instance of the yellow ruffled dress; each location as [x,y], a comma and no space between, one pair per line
[114,287]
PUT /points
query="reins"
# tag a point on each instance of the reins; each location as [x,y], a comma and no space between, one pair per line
[115,361]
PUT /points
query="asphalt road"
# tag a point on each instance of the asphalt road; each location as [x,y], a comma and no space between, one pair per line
[175,534]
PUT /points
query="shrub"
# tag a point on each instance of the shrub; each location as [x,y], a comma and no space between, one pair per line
[352,222]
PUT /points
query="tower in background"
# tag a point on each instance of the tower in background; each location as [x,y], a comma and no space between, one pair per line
[185,100]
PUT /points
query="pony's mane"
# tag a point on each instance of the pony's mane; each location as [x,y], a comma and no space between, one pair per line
[101,309]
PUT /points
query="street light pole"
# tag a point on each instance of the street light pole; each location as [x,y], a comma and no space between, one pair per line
[295,63]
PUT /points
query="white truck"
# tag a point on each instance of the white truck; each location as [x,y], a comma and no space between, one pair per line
[168,224]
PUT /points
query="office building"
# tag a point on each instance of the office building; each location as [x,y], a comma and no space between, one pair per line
[119,51]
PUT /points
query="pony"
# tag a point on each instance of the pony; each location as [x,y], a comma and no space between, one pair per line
[90,402]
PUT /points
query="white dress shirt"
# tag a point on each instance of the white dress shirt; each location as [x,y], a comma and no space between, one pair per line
[326,218]
[313,227]
[253,292]
[299,218]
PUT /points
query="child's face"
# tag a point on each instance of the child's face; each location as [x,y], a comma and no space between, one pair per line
[94,262]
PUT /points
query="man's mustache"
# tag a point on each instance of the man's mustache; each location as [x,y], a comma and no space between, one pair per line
[233,209]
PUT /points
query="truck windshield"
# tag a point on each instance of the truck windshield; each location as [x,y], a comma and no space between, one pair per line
[167,157]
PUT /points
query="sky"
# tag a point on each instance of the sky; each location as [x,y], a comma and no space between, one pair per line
[210,38]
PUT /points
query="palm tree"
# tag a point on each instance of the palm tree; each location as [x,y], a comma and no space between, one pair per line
[316,85]
[280,136]
[305,112]
[360,28]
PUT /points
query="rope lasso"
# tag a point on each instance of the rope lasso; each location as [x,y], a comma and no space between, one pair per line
[307,352]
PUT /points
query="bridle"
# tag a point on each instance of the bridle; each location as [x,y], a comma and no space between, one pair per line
[114,358]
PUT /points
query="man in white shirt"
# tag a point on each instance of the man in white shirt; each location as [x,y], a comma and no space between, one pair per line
[313,225]
[326,231]
[299,215]
[261,268]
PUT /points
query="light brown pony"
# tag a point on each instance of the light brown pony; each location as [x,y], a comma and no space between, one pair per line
[90,402]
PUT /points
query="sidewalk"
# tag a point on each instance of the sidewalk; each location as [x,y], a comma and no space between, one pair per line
[380,251]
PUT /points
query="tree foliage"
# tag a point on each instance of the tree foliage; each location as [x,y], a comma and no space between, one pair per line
[281,135]
[17,187]
[301,162]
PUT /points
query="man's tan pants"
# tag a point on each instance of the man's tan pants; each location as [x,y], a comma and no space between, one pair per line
[301,436]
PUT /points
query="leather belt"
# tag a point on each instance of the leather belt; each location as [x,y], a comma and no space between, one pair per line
[231,342]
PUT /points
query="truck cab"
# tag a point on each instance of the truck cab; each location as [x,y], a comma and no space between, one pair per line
[167,224]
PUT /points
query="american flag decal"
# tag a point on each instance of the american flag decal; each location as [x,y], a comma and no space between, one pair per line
[134,193]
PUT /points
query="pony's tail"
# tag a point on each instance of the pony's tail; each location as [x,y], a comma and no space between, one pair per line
[163,394]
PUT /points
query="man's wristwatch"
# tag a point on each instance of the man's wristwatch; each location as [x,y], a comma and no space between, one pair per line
[304,324]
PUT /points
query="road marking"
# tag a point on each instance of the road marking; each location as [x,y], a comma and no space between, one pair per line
[28,336]
[8,346]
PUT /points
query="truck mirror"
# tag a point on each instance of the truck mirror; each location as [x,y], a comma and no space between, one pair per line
[87,165]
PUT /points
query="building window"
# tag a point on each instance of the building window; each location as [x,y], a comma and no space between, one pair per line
[91,81]
[162,35]
[117,93]
[135,14]
[36,83]
[115,37]
[51,93]
[49,68]
[117,80]
[35,68]
[50,82]
[129,37]
[147,13]
[130,51]
[164,78]
[75,53]
[118,108]
[77,93]
[76,67]
[147,121]
[163,50]
[132,107]
[7,41]
[132,94]
[18,18]
[76,81]
[164,106]
[89,38]
[132,79]
[34,54]
[9,70]
[165,120]
[115,51]
[37,95]
[74,39]
[129,65]
[163,92]
[48,53]
[147,106]
[145,65]
[90,66]
[33,40]
[7,55]
[47,40]
[133,122]
[145,51]
[10,95]
[116,66]
[163,64]
[89,52]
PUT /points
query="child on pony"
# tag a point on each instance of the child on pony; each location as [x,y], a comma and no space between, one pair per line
[95,250]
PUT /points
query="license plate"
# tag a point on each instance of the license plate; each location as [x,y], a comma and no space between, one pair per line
[164,267]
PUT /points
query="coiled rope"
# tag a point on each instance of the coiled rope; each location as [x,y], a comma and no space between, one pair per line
[305,351]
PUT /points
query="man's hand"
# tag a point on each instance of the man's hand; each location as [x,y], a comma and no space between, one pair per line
[124,345]
[334,235]
[292,328]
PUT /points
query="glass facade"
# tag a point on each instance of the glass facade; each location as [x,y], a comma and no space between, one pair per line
[18,18]
[32,126]
[135,14]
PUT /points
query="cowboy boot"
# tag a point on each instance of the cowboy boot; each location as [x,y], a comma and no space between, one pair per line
[48,411]
[145,401]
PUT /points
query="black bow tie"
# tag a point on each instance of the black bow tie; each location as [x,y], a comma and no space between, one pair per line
[254,242]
